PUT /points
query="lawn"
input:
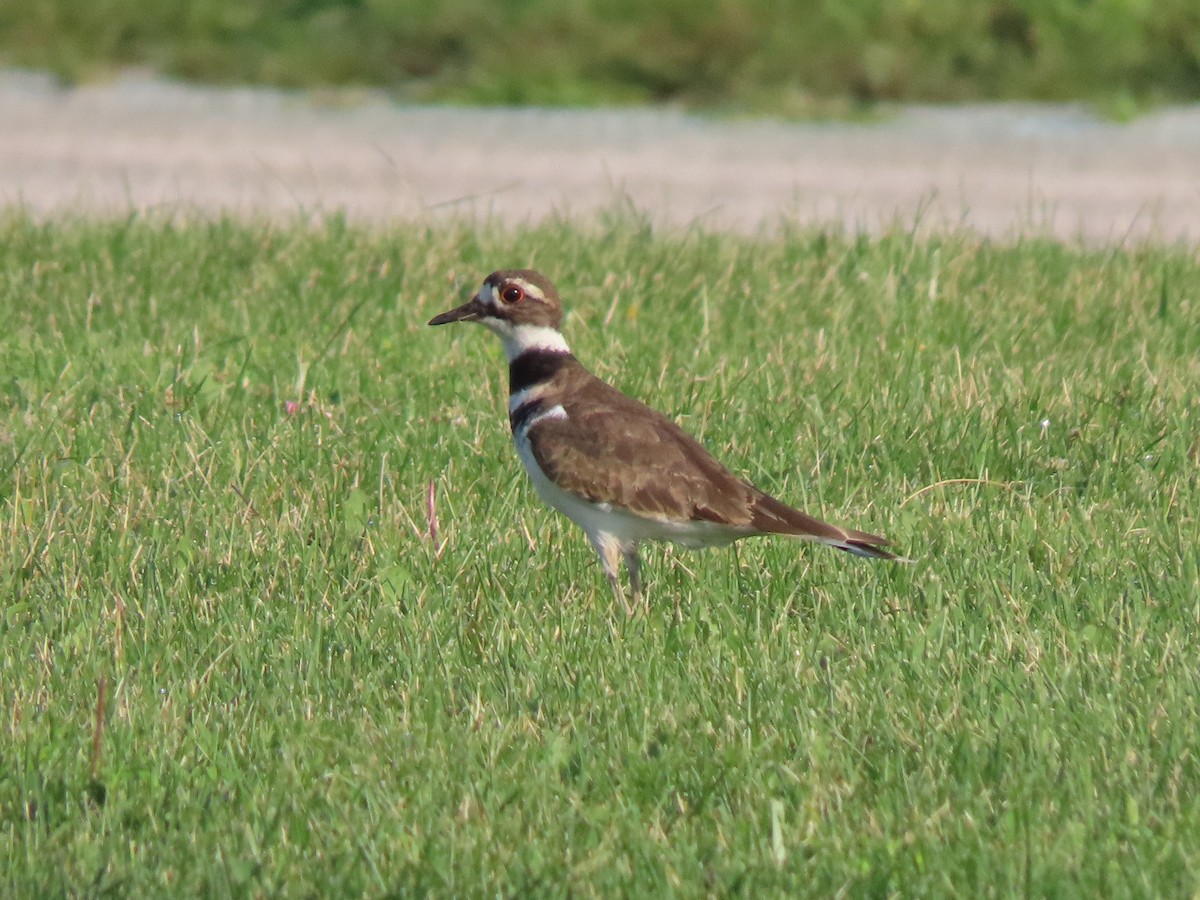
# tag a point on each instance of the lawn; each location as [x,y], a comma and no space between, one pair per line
[239,657]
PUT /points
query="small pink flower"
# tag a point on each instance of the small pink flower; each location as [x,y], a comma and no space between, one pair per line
[291,407]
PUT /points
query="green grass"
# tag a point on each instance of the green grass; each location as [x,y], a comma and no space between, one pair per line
[792,59]
[216,443]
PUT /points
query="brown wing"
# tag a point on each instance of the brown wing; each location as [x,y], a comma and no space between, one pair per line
[613,449]
[770,515]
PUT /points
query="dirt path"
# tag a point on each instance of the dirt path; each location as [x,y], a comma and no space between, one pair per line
[139,143]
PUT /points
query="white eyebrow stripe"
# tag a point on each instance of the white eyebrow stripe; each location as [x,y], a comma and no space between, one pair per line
[530,290]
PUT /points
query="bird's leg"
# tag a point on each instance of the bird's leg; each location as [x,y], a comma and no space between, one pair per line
[633,564]
[615,581]
[609,551]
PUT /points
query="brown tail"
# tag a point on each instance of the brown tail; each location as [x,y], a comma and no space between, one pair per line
[772,517]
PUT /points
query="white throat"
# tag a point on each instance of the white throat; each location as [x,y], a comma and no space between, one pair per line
[518,339]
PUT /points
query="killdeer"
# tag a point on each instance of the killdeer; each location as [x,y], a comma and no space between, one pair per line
[620,470]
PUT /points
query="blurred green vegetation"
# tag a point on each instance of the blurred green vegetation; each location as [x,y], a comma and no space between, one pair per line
[751,55]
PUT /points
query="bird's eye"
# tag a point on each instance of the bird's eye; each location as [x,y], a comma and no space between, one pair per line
[512,294]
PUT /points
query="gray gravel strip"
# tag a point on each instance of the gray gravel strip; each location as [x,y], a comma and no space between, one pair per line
[140,143]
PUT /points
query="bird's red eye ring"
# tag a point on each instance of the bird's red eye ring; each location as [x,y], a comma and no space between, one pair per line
[512,294]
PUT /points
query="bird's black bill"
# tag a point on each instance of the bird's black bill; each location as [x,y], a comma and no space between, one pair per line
[468,312]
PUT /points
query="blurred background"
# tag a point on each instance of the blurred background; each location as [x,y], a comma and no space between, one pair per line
[681,90]
[795,58]
[783,58]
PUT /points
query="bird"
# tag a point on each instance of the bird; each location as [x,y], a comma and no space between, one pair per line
[622,471]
